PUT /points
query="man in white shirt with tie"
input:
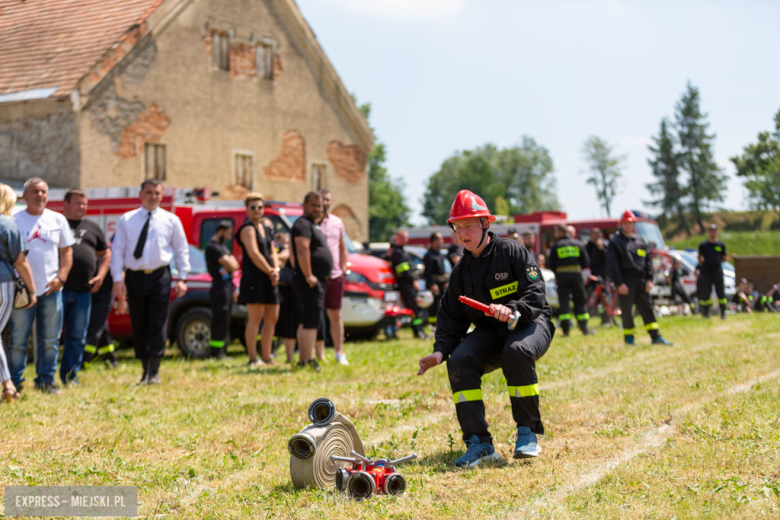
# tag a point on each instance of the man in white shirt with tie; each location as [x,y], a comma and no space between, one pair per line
[145,243]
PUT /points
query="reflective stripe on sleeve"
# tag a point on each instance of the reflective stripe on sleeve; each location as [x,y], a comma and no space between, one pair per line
[402,267]
[464,396]
[523,391]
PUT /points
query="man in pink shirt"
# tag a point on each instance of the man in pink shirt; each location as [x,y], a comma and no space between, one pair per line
[333,228]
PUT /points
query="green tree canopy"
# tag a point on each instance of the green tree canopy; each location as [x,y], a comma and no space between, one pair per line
[668,189]
[759,164]
[705,180]
[387,207]
[511,180]
[606,169]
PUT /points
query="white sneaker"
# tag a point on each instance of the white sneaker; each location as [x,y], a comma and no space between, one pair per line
[341,358]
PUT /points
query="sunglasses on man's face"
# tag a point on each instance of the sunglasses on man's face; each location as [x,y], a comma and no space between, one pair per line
[253,208]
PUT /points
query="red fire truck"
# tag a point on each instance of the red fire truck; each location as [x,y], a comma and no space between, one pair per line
[542,224]
[370,302]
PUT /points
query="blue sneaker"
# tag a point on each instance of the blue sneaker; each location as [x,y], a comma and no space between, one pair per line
[661,341]
[526,446]
[629,340]
[476,453]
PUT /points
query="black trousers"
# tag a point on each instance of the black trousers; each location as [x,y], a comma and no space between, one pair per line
[637,295]
[679,290]
[571,284]
[99,341]
[409,297]
[704,289]
[148,297]
[221,304]
[515,352]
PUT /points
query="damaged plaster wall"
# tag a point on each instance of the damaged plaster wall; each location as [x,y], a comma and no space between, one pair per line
[111,113]
[290,164]
[40,145]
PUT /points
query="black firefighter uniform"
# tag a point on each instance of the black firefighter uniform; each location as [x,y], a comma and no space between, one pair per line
[405,274]
[630,262]
[502,274]
[567,260]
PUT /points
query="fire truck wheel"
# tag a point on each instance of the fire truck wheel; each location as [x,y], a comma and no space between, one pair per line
[193,333]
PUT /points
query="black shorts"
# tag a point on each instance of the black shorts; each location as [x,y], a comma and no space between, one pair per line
[311,301]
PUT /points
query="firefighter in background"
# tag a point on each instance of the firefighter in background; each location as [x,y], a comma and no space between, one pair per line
[407,280]
[435,275]
[675,280]
[498,272]
[712,254]
[630,266]
[99,344]
[567,260]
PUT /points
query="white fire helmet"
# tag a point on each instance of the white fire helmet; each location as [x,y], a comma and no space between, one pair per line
[424,299]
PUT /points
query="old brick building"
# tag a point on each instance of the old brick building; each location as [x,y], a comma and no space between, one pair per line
[227,94]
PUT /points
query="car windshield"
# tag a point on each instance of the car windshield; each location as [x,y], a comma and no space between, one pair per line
[350,246]
[651,234]
[197,262]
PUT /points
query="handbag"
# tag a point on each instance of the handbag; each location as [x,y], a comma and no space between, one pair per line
[286,275]
[21,293]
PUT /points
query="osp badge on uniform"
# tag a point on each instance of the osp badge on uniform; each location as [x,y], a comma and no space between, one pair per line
[532,273]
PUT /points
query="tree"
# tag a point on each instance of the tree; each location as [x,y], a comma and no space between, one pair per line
[387,208]
[510,180]
[606,169]
[669,192]
[760,166]
[705,180]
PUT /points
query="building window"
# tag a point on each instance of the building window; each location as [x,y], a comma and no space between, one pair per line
[220,49]
[265,58]
[154,160]
[244,168]
[318,177]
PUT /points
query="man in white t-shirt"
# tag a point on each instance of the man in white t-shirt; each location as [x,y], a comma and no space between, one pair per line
[333,228]
[48,239]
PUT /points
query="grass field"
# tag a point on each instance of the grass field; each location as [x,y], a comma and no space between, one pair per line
[691,431]
[739,242]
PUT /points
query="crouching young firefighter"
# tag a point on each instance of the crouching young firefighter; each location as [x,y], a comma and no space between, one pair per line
[497,272]
[630,266]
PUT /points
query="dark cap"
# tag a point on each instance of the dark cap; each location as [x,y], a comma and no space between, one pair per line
[713,226]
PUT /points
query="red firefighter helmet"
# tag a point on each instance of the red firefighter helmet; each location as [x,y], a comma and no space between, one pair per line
[469,205]
[627,216]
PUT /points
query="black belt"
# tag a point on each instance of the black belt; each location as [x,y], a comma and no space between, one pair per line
[149,271]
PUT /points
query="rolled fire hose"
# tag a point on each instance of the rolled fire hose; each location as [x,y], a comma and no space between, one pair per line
[310,449]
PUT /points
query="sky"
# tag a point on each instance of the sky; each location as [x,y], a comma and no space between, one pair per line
[444,76]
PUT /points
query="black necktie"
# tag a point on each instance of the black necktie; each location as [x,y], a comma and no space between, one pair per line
[139,247]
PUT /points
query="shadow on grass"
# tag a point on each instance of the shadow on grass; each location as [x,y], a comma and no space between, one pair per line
[444,462]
